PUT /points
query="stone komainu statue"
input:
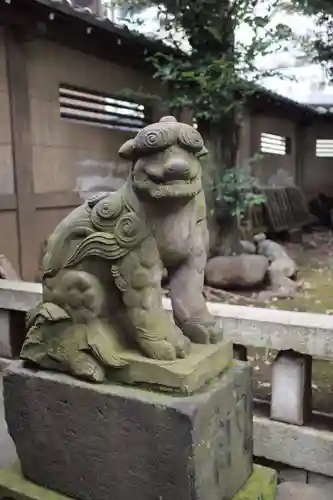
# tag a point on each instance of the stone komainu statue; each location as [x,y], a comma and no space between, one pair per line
[103,264]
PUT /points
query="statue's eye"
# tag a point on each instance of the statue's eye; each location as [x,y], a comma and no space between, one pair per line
[190,139]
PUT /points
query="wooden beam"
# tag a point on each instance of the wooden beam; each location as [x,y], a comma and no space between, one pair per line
[22,150]
[7,202]
[61,199]
[300,140]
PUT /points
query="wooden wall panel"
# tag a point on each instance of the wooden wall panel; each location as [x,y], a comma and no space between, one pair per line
[68,156]
[9,243]
[22,149]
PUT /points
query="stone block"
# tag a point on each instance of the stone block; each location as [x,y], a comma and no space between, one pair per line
[318,480]
[261,485]
[12,333]
[299,491]
[13,486]
[110,441]
[291,388]
[5,341]
[185,376]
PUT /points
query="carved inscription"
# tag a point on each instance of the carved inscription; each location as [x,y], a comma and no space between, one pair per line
[222,450]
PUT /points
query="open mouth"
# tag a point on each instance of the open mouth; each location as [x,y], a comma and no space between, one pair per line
[168,189]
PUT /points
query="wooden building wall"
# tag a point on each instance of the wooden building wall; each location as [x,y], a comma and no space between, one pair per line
[45,161]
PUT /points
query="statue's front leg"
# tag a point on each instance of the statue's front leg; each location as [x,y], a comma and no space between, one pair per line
[186,292]
[138,277]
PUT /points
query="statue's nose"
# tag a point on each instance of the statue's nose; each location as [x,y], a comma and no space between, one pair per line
[177,168]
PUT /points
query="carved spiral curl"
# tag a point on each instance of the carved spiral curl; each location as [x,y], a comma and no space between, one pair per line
[105,213]
[155,136]
[161,192]
[129,230]
[190,139]
[120,282]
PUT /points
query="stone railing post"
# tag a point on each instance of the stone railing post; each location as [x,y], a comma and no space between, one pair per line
[291,388]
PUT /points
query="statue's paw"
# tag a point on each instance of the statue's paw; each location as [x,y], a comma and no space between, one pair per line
[196,332]
[84,366]
[215,333]
[202,331]
[159,349]
[183,347]
[181,343]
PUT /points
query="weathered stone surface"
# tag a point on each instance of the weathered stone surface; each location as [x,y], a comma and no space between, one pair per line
[280,287]
[261,485]
[280,262]
[304,447]
[108,441]
[102,265]
[183,375]
[5,341]
[269,248]
[239,271]
[299,491]
[19,295]
[7,449]
[247,247]
[320,481]
[7,271]
[284,267]
[291,388]
[13,486]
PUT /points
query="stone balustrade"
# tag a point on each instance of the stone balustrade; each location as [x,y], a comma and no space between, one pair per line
[287,432]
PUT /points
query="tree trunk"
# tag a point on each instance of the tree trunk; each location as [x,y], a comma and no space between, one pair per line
[221,142]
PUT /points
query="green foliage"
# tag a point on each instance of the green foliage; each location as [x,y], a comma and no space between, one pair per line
[212,72]
[218,71]
[236,189]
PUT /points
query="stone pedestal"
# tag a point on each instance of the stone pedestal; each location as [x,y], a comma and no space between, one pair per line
[98,442]
[13,486]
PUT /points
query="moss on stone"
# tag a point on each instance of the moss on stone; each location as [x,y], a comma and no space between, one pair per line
[13,486]
[262,485]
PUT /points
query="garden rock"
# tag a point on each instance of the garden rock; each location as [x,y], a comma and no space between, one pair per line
[284,266]
[300,491]
[247,247]
[281,288]
[236,272]
[269,248]
[281,263]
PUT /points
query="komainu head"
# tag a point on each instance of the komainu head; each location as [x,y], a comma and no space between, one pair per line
[165,160]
